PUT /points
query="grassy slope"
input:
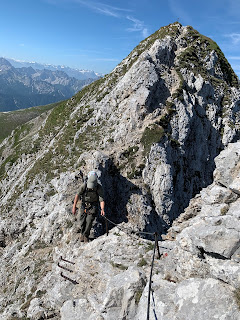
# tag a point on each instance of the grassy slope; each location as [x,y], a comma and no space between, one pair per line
[11,120]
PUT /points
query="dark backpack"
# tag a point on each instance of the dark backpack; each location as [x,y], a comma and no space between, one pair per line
[90,195]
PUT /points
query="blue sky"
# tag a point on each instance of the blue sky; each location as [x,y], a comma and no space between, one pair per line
[97,35]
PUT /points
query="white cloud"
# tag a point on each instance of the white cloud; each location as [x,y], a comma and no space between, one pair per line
[100,7]
[138,26]
[234,58]
[117,13]
[109,10]
[235,37]
[145,33]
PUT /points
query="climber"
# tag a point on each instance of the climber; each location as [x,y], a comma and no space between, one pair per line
[90,192]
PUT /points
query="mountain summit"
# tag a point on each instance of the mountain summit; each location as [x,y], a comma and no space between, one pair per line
[158,120]
[152,129]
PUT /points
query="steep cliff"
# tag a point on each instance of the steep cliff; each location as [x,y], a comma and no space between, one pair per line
[152,129]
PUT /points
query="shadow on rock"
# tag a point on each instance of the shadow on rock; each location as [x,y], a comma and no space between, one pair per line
[117,191]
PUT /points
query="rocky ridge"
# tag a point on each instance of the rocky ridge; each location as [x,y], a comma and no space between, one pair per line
[154,126]
[197,274]
[152,129]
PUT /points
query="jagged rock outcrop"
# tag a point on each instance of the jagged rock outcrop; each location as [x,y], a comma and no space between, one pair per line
[159,119]
[197,275]
[152,129]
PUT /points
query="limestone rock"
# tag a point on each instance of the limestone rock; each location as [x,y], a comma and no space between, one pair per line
[152,130]
[192,298]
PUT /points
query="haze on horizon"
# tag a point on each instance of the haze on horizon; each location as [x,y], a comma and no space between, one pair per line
[98,35]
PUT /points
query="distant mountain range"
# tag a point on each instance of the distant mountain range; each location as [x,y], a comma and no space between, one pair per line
[76,73]
[25,87]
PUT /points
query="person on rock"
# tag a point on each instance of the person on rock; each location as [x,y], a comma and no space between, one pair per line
[90,192]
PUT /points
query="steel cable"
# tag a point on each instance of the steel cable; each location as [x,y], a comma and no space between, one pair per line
[133,232]
[130,230]
[150,279]
[153,258]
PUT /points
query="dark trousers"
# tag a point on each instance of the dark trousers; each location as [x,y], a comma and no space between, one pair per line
[87,216]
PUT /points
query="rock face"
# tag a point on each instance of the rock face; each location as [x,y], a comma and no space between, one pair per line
[152,129]
[196,277]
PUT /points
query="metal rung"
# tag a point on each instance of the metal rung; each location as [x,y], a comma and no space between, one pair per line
[69,279]
[64,267]
[66,260]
